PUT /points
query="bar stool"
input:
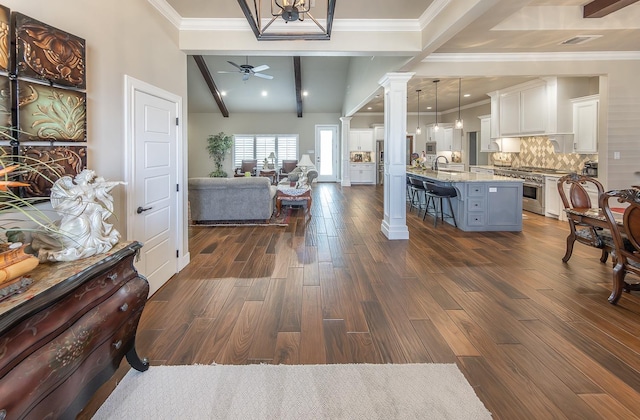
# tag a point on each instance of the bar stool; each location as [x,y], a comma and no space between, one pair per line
[435,192]
[417,190]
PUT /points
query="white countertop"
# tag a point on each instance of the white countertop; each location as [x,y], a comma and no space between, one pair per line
[453,176]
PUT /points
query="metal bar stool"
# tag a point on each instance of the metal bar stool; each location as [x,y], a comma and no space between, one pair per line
[435,192]
[417,194]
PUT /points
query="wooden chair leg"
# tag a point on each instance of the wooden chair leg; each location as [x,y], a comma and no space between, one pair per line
[618,283]
[571,239]
[604,256]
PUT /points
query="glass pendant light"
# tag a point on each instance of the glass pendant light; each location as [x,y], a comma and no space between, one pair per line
[435,127]
[418,129]
[459,120]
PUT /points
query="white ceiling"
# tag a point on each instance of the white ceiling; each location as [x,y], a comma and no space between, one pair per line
[508,26]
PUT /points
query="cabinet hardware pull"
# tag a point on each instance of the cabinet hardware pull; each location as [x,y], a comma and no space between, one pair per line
[112,276]
[117,344]
[124,307]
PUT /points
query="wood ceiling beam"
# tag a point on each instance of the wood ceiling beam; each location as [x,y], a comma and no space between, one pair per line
[202,65]
[601,8]
[298,79]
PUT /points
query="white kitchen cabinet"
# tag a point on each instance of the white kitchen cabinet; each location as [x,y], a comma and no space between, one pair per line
[523,111]
[437,136]
[362,173]
[533,109]
[553,206]
[585,124]
[378,131]
[510,114]
[361,141]
[486,144]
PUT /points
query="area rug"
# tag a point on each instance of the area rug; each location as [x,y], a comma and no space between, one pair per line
[281,220]
[353,391]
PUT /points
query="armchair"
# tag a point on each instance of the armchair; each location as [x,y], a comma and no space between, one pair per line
[626,237]
[248,165]
[287,167]
[574,196]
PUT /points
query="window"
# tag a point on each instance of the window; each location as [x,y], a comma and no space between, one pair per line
[260,147]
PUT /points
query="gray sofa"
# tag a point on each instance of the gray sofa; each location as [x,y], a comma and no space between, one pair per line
[242,198]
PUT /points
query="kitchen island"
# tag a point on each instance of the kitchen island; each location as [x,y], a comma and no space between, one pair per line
[484,202]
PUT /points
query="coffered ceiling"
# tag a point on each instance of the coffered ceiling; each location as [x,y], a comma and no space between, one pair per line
[483,27]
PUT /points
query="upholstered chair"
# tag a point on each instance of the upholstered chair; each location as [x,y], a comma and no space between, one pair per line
[287,167]
[248,165]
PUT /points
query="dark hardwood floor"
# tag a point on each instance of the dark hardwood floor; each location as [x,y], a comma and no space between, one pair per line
[535,337]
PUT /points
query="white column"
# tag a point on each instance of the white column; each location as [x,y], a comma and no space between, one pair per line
[394,224]
[345,130]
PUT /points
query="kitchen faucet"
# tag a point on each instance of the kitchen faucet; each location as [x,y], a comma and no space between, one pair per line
[434,165]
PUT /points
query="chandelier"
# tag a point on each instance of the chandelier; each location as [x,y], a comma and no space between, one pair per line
[289,11]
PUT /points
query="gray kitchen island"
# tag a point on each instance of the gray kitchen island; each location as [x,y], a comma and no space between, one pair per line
[484,202]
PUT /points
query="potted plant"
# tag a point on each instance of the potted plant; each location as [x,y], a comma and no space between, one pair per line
[218,145]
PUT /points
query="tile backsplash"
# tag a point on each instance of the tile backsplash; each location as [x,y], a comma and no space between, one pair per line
[538,152]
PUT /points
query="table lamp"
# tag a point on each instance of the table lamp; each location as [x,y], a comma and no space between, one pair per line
[305,163]
[272,156]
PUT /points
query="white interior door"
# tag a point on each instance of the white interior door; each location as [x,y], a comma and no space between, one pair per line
[327,153]
[154,197]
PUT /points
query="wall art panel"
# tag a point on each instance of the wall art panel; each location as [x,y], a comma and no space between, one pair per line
[52,161]
[5,38]
[45,52]
[50,113]
[5,108]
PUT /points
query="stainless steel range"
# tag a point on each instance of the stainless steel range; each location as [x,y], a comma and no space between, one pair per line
[533,186]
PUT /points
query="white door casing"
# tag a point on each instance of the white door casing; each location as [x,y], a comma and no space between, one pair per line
[327,156]
[154,206]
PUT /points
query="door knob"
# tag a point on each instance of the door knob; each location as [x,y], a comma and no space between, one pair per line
[141,209]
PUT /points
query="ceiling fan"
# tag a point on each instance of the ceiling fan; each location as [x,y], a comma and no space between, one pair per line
[247,70]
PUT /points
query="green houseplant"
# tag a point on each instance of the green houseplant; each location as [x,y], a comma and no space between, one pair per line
[218,145]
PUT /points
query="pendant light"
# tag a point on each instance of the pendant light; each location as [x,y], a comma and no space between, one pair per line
[418,129]
[459,120]
[435,127]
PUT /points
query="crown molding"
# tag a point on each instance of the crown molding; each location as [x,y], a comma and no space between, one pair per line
[550,56]
[431,13]
[167,11]
[344,25]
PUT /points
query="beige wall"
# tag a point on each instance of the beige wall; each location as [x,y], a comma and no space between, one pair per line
[122,37]
[202,125]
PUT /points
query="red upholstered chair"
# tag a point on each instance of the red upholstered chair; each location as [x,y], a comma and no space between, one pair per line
[574,196]
[626,238]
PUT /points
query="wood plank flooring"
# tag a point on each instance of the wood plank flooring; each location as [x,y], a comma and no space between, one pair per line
[535,337]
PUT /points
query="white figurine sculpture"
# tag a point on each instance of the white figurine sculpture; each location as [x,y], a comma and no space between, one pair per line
[85,205]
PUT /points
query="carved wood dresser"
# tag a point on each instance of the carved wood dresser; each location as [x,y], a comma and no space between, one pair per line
[66,335]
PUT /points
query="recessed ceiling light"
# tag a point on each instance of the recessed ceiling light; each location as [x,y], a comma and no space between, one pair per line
[466,95]
[369,107]
[305,93]
[223,93]
[264,93]
[428,107]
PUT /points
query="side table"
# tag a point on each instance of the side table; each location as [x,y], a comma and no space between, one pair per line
[287,193]
[269,173]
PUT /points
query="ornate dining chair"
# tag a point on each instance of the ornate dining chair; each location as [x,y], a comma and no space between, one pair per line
[287,166]
[626,238]
[574,196]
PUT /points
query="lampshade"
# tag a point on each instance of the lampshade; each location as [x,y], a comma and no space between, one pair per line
[305,161]
[272,155]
